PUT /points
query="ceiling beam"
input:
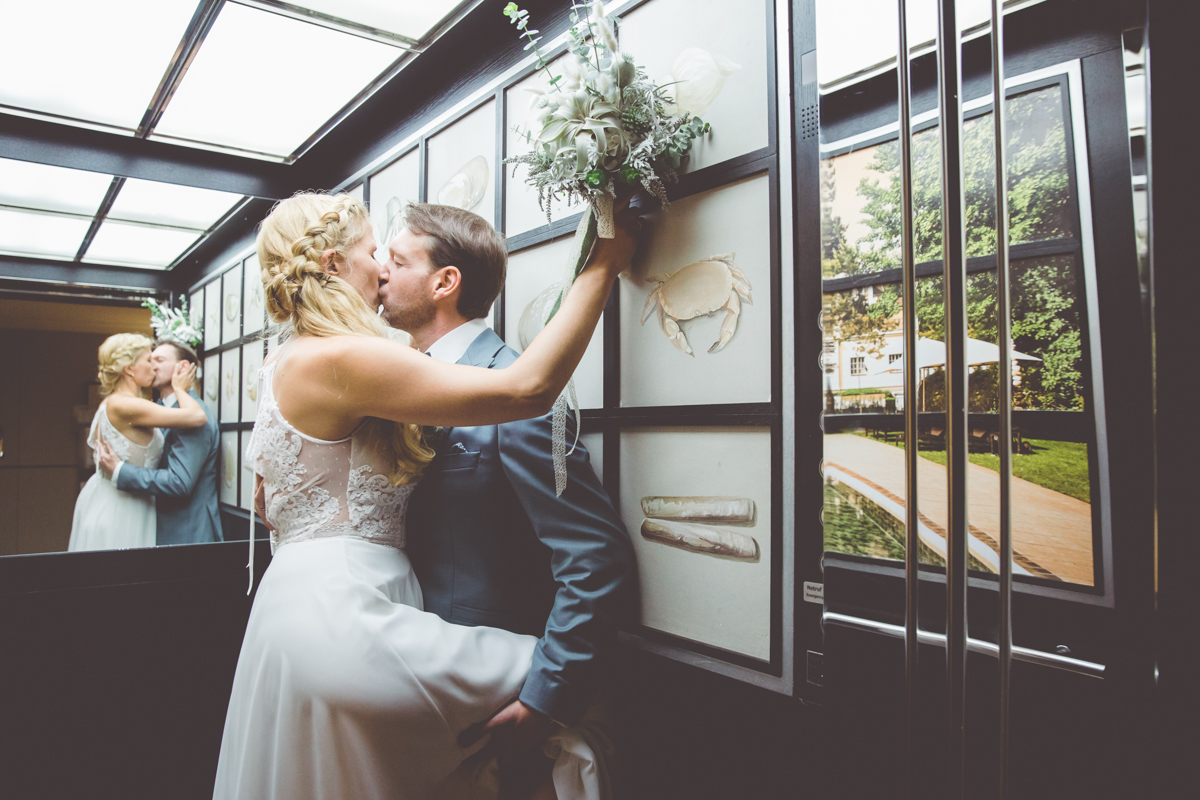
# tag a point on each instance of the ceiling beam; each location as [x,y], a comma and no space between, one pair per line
[37,272]
[43,142]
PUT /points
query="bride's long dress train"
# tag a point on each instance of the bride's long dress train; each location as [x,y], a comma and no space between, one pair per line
[344,687]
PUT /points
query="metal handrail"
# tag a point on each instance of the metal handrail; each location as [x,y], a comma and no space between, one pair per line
[1054,660]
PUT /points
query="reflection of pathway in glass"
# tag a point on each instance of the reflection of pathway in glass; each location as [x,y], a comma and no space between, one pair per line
[1051,531]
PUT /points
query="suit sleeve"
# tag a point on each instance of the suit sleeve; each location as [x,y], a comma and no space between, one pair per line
[592,562]
[178,473]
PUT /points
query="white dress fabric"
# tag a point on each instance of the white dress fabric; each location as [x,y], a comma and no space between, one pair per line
[345,688]
[105,517]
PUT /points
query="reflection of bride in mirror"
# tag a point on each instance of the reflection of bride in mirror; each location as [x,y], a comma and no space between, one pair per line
[105,517]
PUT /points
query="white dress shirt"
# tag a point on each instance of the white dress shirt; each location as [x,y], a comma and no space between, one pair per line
[454,345]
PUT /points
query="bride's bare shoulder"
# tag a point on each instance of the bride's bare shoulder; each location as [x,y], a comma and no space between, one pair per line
[311,353]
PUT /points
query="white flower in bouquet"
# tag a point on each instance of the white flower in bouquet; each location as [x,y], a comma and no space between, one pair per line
[171,325]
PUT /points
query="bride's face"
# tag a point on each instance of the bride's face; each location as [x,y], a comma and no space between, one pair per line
[360,269]
[142,370]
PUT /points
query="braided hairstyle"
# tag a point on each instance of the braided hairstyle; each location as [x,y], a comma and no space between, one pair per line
[301,296]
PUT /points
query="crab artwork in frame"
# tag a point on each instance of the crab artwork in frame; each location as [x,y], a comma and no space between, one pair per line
[698,290]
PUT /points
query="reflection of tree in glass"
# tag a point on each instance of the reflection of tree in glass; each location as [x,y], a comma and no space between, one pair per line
[1046,319]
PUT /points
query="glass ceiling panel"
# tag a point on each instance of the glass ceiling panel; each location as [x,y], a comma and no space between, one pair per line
[94,61]
[27,233]
[265,83]
[411,18]
[51,188]
[168,204]
[130,245]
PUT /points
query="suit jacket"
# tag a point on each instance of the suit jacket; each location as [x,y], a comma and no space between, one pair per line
[492,545]
[185,484]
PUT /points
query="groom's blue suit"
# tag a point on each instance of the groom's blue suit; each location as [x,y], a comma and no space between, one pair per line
[185,484]
[493,545]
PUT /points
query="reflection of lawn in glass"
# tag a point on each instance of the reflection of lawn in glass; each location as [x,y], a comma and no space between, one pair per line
[1059,466]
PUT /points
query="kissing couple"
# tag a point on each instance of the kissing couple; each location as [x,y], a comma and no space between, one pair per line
[356,680]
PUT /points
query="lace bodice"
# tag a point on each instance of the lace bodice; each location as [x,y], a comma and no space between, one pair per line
[140,455]
[316,488]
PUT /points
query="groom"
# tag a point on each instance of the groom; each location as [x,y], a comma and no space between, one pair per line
[185,485]
[490,542]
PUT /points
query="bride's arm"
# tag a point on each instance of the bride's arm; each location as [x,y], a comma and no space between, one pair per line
[380,378]
[144,414]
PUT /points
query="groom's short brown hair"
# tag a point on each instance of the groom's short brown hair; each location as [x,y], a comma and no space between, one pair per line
[454,237]
[182,351]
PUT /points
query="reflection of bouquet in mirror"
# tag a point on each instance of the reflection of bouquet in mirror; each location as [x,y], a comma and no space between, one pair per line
[173,325]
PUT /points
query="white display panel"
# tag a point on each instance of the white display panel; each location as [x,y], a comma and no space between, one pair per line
[212,382]
[400,182]
[733,219]
[231,367]
[521,210]
[231,305]
[196,311]
[212,314]
[228,481]
[255,310]
[702,40]
[252,361]
[594,442]
[718,600]
[462,163]
[531,274]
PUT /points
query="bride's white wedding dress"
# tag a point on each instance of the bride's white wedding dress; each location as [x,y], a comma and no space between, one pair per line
[105,517]
[344,687]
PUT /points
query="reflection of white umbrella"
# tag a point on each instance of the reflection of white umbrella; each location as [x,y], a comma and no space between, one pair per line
[932,353]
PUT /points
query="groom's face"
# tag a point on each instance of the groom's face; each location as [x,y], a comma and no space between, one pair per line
[164,358]
[407,294]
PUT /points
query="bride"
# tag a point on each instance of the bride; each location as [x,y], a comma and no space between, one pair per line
[105,517]
[344,687]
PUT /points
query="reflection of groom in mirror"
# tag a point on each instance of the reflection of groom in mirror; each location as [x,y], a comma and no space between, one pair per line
[185,484]
[489,541]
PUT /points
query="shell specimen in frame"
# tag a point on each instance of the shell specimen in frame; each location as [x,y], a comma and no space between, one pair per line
[700,509]
[232,303]
[211,376]
[465,188]
[231,376]
[696,78]
[533,318]
[698,290]
[702,539]
[251,379]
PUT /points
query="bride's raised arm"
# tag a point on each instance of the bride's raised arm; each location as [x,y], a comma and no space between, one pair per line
[144,414]
[379,378]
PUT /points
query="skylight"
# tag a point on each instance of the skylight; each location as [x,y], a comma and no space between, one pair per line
[89,61]
[168,204]
[263,78]
[40,186]
[133,245]
[263,82]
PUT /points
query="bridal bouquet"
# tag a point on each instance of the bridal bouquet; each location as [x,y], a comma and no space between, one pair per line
[605,130]
[171,325]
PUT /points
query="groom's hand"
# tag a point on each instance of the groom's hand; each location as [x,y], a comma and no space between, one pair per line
[105,457]
[516,728]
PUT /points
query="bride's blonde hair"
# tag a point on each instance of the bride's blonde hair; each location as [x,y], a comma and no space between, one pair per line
[301,295]
[116,353]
